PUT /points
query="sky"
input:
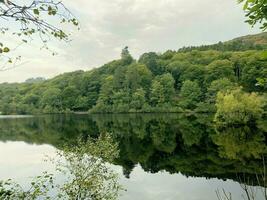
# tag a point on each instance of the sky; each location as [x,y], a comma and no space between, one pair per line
[107,26]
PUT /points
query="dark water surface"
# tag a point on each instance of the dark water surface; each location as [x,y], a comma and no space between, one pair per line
[162,156]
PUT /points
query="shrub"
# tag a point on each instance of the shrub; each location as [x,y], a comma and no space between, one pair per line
[238,107]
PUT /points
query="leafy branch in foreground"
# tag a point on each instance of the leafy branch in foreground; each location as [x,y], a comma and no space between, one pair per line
[41,18]
[256,11]
[40,186]
[88,176]
[87,171]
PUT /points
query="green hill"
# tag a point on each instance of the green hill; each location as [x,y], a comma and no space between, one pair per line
[258,39]
[174,81]
[249,42]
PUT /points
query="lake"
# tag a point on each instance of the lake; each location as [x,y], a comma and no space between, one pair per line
[161,156]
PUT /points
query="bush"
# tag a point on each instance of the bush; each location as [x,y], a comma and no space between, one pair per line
[238,107]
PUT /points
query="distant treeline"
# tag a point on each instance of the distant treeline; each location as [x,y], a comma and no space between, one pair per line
[250,42]
[175,81]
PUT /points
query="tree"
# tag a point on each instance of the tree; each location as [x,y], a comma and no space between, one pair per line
[150,60]
[177,69]
[156,93]
[35,80]
[190,94]
[126,56]
[121,100]
[87,176]
[138,99]
[119,77]
[254,73]
[256,11]
[69,97]
[105,99]
[138,75]
[238,107]
[216,86]
[187,80]
[90,87]
[31,99]
[52,98]
[167,82]
[32,18]
[219,69]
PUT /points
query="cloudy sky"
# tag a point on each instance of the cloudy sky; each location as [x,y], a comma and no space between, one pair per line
[144,25]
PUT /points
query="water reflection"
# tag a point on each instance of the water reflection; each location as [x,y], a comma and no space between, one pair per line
[189,145]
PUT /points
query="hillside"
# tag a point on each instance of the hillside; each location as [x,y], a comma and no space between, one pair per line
[258,39]
[249,42]
[174,81]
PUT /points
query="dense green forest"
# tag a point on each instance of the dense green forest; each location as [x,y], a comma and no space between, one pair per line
[197,79]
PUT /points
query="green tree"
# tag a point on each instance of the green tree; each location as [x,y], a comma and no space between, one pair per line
[190,94]
[121,100]
[69,97]
[216,86]
[138,99]
[87,176]
[126,56]
[156,93]
[177,68]
[31,99]
[238,107]
[119,77]
[150,60]
[253,71]
[138,75]
[167,82]
[105,100]
[106,91]
[52,98]
[90,87]
[219,69]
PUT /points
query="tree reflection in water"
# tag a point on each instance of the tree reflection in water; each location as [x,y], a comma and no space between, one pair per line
[189,145]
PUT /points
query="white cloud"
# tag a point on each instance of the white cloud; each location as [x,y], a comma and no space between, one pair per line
[143,25]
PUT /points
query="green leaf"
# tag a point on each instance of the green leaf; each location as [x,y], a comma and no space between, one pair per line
[36,11]
[245,7]
[6,50]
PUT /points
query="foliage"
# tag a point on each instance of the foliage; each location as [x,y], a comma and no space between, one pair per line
[237,107]
[190,94]
[32,19]
[256,12]
[89,177]
[86,172]
[249,42]
[219,85]
[40,187]
[174,81]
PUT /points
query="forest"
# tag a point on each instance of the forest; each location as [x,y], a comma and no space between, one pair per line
[227,78]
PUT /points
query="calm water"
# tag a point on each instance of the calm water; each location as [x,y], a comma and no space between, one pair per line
[162,156]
